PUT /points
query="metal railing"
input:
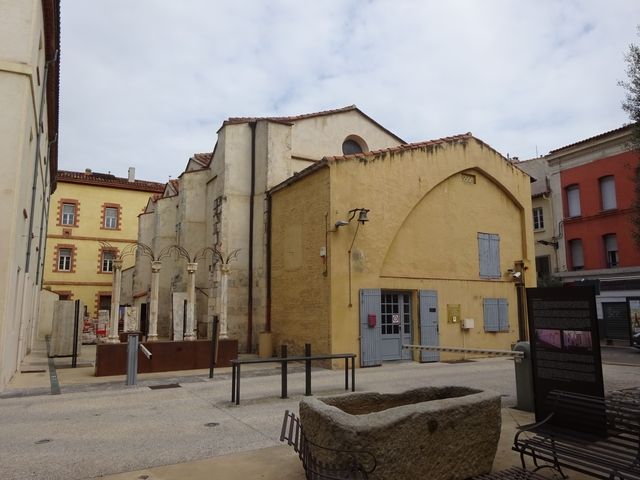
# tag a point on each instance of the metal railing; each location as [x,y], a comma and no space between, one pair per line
[479,351]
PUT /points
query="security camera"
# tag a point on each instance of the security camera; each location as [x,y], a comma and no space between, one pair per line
[516,275]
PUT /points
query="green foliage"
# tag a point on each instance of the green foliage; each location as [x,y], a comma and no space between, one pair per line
[631,105]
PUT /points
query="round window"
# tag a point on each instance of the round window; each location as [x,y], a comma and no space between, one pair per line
[350,147]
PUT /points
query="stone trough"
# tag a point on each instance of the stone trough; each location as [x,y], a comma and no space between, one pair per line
[448,433]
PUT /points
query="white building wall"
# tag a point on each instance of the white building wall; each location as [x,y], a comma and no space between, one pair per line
[24,183]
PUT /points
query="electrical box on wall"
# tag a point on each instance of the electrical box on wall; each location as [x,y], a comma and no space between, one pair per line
[468,323]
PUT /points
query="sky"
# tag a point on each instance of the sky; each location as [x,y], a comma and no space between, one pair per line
[147,83]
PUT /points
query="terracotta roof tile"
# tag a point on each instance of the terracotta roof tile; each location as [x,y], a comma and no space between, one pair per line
[405,147]
[107,180]
[595,137]
[51,18]
[175,184]
[292,118]
[203,159]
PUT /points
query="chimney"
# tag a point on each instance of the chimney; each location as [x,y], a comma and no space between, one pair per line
[132,174]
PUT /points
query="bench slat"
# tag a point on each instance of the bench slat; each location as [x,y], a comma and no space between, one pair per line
[596,436]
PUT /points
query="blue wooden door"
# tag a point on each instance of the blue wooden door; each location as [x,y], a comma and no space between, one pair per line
[370,337]
[429,333]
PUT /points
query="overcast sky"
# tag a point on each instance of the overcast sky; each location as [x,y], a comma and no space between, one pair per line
[147,83]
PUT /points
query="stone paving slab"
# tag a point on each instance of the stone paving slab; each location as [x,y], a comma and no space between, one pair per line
[102,428]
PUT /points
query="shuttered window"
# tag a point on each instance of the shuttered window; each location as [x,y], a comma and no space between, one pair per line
[538,219]
[489,255]
[577,257]
[611,250]
[573,200]
[608,193]
[496,315]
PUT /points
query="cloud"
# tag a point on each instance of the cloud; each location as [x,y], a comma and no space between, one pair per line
[148,83]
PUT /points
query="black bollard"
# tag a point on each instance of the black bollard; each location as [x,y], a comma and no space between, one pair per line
[307,369]
[283,371]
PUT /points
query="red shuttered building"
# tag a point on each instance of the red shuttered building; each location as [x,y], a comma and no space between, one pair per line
[596,194]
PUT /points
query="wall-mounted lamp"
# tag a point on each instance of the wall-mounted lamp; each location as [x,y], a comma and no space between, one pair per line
[516,275]
[548,243]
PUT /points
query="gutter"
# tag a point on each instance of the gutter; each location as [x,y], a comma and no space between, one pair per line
[252,125]
[44,219]
[267,326]
[36,162]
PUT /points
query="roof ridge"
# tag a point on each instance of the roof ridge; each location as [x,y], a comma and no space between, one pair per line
[593,137]
[107,179]
[204,159]
[403,147]
[290,118]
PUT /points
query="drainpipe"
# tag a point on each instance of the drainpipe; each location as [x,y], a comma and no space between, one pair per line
[44,219]
[36,162]
[251,213]
[267,325]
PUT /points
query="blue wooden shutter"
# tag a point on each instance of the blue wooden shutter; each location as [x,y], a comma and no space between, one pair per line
[489,255]
[494,255]
[483,253]
[503,314]
[370,337]
[429,324]
[491,315]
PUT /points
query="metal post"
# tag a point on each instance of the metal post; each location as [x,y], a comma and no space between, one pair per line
[76,317]
[214,344]
[524,378]
[238,384]
[132,359]
[283,371]
[233,382]
[307,370]
[353,374]
[346,373]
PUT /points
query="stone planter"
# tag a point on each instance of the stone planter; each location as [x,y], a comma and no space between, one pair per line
[448,433]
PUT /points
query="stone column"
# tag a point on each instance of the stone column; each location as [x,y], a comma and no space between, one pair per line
[224,277]
[153,304]
[115,301]
[191,301]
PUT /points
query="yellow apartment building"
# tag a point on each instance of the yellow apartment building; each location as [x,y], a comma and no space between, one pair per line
[92,218]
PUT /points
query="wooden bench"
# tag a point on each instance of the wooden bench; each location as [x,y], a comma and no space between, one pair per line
[284,360]
[344,464]
[595,436]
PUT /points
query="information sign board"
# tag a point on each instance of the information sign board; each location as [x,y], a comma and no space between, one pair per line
[565,346]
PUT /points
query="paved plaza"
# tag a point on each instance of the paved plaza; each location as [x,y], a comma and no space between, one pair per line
[99,427]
